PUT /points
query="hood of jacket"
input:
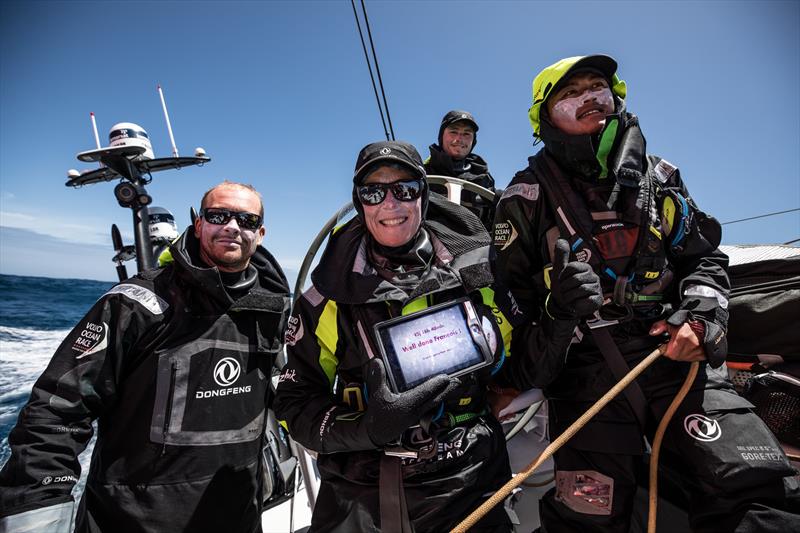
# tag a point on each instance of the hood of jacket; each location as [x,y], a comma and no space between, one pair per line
[270,293]
[619,154]
[461,248]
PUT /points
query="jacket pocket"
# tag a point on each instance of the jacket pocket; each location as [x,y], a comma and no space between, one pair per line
[209,392]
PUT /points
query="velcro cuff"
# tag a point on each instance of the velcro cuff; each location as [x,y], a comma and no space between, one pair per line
[705,291]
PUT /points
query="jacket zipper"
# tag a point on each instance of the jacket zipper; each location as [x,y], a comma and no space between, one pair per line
[168,413]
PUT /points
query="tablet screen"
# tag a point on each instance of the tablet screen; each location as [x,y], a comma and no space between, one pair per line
[425,344]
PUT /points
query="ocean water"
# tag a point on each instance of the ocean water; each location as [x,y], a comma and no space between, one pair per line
[35,316]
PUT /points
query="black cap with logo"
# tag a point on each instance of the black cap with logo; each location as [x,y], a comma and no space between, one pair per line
[388,152]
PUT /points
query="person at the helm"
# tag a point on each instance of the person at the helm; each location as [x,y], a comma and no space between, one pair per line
[453,156]
[605,252]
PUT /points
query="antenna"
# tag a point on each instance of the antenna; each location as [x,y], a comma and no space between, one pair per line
[169,127]
[94,127]
[96,136]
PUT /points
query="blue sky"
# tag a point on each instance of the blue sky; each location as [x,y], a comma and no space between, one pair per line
[279,96]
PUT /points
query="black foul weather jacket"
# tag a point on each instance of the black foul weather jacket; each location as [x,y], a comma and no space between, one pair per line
[322,394]
[683,271]
[176,373]
[656,255]
[473,169]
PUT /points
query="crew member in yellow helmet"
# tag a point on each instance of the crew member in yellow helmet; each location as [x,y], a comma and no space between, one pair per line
[608,256]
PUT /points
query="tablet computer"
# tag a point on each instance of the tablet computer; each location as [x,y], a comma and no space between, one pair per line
[442,339]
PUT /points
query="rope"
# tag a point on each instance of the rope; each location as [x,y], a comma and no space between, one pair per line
[761,216]
[377,67]
[369,66]
[662,427]
[517,480]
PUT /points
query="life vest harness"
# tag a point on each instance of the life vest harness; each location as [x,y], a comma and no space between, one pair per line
[637,218]
[638,292]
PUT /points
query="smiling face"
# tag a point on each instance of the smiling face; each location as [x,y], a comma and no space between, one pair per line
[392,223]
[457,139]
[581,105]
[227,246]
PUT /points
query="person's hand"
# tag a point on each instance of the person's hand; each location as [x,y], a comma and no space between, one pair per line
[683,345]
[390,414]
[575,291]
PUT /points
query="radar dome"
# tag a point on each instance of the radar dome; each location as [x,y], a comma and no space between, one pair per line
[162,225]
[130,134]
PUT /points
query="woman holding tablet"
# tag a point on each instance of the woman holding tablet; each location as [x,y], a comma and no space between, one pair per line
[389,353]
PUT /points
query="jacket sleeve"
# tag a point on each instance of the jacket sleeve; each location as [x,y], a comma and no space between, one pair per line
[79,385]
[700,267]
[305,402]
[539,345]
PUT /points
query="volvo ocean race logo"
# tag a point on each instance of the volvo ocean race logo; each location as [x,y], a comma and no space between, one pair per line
[226,372]
[92,339]
[294,331]
[583,255]
[702,428]
[504,234]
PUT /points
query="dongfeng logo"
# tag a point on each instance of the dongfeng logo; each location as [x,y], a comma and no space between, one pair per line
[702,428]
[66,478]
[227,371]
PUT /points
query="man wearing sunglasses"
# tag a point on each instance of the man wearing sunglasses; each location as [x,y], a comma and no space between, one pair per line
[174,364]
[405,251]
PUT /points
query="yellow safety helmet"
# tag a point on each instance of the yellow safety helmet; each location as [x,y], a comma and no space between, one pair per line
[548,79]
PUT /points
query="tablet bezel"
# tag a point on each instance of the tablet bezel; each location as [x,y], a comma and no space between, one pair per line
[471,320]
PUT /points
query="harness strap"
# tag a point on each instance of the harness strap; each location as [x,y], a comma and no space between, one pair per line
[575,229]
[619,368]
[574,221]
[394,509]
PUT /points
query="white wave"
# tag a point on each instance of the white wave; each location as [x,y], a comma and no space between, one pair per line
[24,354]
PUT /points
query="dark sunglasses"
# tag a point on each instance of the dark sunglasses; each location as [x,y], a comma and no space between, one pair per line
[221,217]
[375,193]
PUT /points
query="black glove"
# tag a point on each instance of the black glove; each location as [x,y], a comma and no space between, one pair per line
[575,291]
[389,414]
